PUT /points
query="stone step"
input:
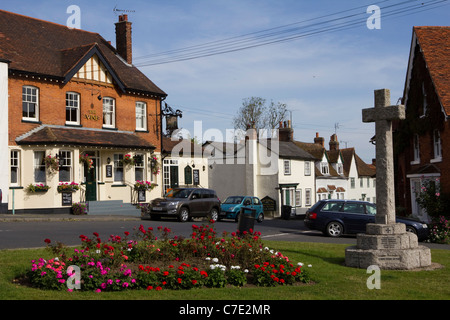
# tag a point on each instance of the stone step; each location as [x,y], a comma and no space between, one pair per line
[112,207]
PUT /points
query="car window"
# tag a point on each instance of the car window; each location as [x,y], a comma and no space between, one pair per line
[196,194]
[331,206]
[371,209]
[256,201]
[247,201]
[233,200]
[181,193]
[353,208]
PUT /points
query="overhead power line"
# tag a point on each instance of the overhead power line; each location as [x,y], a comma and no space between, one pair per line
[334,22]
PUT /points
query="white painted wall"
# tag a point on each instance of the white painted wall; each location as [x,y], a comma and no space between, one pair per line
[4,155]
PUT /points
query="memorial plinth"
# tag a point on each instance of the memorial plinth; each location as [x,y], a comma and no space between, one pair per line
[390,247]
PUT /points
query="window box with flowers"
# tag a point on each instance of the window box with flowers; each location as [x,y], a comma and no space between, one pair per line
[68,187]
[34,188]
[51,163]
[144,185]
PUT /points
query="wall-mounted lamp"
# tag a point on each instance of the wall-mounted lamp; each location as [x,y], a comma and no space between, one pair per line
[108,161]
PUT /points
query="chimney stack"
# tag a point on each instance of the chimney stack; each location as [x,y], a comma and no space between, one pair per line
[123,38]
[334,143]
[319,140]
[285,132]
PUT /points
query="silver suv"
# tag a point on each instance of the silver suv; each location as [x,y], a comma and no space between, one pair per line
[185,203]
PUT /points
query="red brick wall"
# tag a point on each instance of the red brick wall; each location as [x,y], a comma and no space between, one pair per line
[52,107]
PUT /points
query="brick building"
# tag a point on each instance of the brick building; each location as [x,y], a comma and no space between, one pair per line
[420,140]
[73,110]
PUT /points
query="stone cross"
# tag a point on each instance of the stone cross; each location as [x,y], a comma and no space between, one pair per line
[382,115]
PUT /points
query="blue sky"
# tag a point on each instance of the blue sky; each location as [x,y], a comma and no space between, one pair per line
[325,79]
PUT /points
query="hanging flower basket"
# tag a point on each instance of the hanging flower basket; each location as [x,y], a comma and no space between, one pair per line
[128,160]
[33,188]
[155,165]
[144,185]
[51,163]
[68,187]
[85,159]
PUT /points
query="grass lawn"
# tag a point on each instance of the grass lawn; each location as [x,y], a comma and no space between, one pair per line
[333,281]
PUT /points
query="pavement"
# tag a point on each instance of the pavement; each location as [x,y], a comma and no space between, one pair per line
[30,217]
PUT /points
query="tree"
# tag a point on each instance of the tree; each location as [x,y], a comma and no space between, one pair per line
[254,113]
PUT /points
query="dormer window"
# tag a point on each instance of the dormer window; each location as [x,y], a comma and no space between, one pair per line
[324,168]
[340,168]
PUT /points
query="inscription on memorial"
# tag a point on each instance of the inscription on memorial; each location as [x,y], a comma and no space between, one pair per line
[389,242]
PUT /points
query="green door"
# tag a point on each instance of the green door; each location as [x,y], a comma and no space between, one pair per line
[173,176]
[91,182]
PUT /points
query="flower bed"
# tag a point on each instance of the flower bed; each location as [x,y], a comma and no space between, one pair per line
[144,261]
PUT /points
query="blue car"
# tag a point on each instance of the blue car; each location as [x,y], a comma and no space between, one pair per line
[337,217]
[231,207]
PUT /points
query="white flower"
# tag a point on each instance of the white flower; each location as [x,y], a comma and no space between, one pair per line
[208,258]
[215,260]
[300,264]
[212,266]
[309,265]
[246,270]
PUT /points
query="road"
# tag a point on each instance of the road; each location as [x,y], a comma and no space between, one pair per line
[31,234]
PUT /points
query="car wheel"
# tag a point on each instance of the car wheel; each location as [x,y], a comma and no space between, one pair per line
[184,214]
[214,214]
[260,217]
[334,229]
[411,229]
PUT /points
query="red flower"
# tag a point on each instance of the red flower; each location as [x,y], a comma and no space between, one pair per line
[194,282]
[47,241]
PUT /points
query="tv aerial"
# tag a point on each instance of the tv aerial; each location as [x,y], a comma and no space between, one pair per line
[115,10]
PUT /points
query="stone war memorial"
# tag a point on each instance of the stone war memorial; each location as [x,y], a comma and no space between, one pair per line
[386,243]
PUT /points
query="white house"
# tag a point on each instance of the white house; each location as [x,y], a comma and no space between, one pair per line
[275,170]
[340,173]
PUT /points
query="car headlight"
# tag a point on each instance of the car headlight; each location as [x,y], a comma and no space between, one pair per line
[172,203]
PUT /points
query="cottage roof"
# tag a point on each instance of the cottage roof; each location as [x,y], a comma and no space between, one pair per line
[39,47]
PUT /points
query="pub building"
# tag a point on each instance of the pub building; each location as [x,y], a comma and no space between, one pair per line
[79,122]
